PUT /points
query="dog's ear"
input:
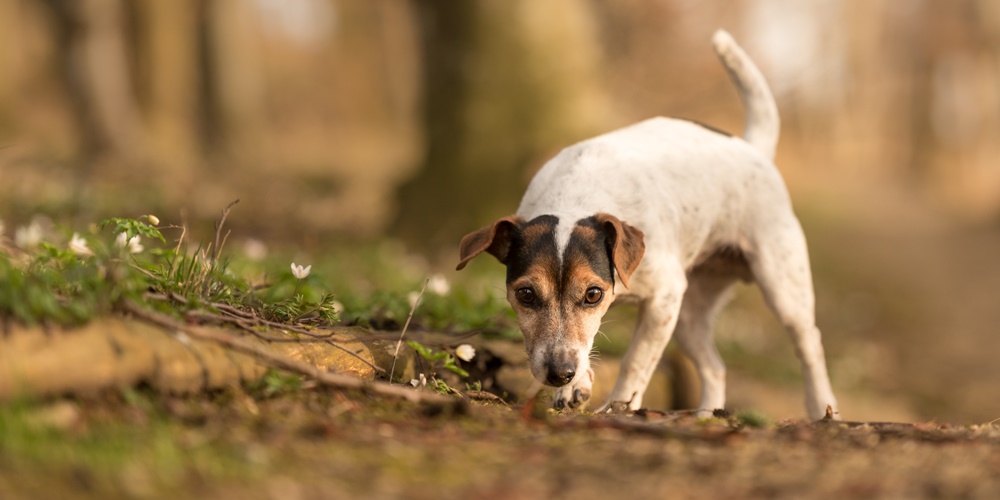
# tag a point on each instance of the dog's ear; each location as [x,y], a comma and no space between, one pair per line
[494,239]
[625,245]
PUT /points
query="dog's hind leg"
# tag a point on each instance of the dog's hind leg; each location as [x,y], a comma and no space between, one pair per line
[780,265]
[706,294]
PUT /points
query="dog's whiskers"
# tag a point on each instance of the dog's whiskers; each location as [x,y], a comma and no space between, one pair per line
[605,336]
[594,356]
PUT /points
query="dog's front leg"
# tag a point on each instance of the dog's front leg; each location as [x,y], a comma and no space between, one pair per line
[657,320]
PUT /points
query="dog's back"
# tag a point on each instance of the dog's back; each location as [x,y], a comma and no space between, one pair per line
[662,173]
[670,172]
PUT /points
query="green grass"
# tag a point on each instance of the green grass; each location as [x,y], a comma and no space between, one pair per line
[752,418]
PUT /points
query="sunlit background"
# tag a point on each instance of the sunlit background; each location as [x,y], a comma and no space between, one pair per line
[347,122]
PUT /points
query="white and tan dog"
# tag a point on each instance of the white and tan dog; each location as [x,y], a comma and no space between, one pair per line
[672,214]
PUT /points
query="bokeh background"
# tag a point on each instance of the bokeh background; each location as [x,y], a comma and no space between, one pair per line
[340,123]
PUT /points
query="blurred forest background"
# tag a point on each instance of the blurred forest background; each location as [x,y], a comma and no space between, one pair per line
[353,120]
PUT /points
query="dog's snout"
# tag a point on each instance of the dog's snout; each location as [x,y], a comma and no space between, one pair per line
[560,375]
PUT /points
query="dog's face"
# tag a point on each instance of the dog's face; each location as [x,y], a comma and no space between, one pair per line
[560,281]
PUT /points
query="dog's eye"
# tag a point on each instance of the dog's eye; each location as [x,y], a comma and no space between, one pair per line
[525,295]
[594,295]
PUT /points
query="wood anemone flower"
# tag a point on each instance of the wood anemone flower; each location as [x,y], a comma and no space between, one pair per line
[465,352]
[301,272]
[78,245]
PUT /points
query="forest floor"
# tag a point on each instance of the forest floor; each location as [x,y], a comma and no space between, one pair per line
[306,442]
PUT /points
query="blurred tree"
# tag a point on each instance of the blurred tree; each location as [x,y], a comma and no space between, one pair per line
[9,61]
[233,80]
[93,66]
[166,68]
[503,87]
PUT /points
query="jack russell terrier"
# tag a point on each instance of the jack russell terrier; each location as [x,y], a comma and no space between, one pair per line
[672,214]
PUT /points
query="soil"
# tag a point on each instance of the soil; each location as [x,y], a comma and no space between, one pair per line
[314,443]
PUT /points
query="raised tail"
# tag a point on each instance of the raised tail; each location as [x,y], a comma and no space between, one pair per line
[762,122]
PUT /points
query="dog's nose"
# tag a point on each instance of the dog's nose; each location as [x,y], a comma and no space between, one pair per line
[561,375]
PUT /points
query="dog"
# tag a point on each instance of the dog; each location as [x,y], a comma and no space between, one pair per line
[671,214]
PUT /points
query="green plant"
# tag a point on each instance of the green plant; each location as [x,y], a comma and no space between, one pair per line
[93,274]
[61,280]
[440,359]
[752,418]
[135,227]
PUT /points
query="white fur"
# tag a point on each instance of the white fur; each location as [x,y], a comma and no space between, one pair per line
[691,191]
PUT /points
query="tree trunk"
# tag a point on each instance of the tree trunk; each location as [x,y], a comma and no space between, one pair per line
[503,88]
[93,65]
[168,78]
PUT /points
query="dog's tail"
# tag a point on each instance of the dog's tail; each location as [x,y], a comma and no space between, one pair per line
[762,122]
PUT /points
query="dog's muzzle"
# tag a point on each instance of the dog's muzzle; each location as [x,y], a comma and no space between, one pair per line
[560,376]
[560,370]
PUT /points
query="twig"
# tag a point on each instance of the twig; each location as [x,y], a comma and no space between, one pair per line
[184,230]
[405,326]
[237,313]
[228,309]
[174,261]
[329,379]
[484,396]
[241,319]
[242,323]
[356,355]
[295,329]
[219,242]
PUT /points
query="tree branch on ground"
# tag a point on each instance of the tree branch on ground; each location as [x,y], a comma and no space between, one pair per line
[328,379]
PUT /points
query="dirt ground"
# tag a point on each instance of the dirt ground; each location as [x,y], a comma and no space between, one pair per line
[313,443]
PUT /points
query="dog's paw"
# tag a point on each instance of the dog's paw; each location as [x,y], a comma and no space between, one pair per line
[575,394]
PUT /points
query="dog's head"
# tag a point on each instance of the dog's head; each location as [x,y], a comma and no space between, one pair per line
[560,281]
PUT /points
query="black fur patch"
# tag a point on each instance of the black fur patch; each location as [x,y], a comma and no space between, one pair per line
[535,240]
[711,128]
[534,246]
[591,246]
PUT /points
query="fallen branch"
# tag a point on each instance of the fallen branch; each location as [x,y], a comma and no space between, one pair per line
[329,379]
[233,314]
[247,324]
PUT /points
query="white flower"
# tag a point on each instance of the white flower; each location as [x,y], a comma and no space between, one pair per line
[438,284]
[79,246]
[154,220]
[465,352]
[28,237]
[412,298]
[301,272]
[133,244]
[254,249]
